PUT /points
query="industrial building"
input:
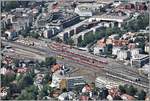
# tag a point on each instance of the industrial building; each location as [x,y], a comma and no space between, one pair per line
[139,60]
[88,9]
[114,18]
[10,34]
[102,82]
[71,83]
[61,19]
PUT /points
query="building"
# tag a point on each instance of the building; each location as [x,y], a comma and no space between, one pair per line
[145,69]
[19,18]
[123,55]
[127,97]
[147,48]
[50,32]
[72,83]
[88,9]
[85,1]
[115,50]
[66,96]
[98,50]
[10,34]
[117,18]
[58,19]
[135,5]
[135,52]
[102,82]
[56,67]
[139,60]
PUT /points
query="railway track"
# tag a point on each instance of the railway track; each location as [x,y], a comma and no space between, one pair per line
[111,73]
[83,62]
[126,80]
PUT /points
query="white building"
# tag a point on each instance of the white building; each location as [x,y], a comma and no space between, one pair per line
[101,82]
[56,79]
[114,36]
[134,52]
[147,48]
[70,95]
[140,60]
[51,31]
[3,71]
[88,9]
[115,50]
[11,34]
[123,55]
[98,50]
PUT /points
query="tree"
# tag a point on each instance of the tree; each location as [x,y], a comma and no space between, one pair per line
[88,38]
[24,34]
[29,93]
[25,81]
[6,79]
[34,35]
[10,5]
[141,22]
[69,41]
[141,95]
[50,61]
[47,78]
[57,39]
[45,91]
[131,90]
[16,62]
[122,89]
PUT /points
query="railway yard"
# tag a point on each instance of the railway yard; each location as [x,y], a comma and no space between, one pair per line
[92,65]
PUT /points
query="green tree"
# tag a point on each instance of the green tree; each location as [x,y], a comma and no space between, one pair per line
[25,81]
[57,39]
[141,95]
[34,35]
[45,91]
[50,61]
[131,90]
[143,20]
[10,5]
[29,93]
[6,79]
[69,42]
[88,38]
[122,89]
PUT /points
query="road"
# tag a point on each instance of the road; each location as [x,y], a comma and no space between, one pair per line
[75,60]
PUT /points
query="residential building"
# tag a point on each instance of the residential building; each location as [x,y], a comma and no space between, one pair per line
[48,33]
[56,67]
